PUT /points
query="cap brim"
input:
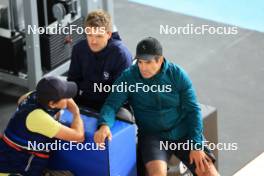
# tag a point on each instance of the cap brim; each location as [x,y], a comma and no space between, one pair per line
[145,56]
[71,90]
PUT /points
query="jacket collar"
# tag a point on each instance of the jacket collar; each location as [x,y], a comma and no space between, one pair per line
[159,75]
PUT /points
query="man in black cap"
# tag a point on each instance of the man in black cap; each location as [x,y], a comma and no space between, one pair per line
[166,111]
[34,122]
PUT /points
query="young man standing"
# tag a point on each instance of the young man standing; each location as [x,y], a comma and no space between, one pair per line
[98,60]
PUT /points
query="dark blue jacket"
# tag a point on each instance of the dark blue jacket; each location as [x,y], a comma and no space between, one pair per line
[16,129]
[20,160]
[103,67]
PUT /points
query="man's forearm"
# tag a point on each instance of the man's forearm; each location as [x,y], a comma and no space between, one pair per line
[107,116]
[77,123]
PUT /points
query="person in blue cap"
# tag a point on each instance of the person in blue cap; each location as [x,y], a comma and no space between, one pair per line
[166,111]
[34,122]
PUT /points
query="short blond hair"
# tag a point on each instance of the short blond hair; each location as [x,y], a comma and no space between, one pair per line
[99,18]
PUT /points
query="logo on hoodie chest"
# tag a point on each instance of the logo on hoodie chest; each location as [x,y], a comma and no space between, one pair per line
[106,75]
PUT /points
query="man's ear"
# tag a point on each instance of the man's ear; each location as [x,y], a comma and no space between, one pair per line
[52,104]
[109,34]
[161,59]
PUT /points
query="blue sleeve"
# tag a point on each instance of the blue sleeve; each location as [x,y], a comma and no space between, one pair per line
[113,103]
[190,106]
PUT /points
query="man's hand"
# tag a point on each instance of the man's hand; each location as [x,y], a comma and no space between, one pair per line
[101,134]
[72,107]
[76,131]
[57,116]
[200,159]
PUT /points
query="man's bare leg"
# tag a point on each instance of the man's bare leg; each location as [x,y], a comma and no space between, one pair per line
[156,168]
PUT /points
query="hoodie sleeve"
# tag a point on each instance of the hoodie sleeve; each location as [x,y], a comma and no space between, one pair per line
[190,106]
[113,103]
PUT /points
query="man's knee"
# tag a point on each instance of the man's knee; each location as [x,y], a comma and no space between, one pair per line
[211,171]
[156,168]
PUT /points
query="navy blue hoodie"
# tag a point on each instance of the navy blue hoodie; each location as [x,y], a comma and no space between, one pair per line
[88,68]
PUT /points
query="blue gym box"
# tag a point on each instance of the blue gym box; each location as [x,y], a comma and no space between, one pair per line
[117,159]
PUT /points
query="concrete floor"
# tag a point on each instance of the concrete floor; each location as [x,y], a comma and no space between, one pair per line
[227,71]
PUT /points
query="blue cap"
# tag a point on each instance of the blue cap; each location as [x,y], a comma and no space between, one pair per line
[53,89]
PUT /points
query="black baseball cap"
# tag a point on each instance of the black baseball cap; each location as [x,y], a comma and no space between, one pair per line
[148,48]
[51,88]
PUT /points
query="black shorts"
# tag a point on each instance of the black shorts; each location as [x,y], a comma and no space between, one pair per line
[154,148]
